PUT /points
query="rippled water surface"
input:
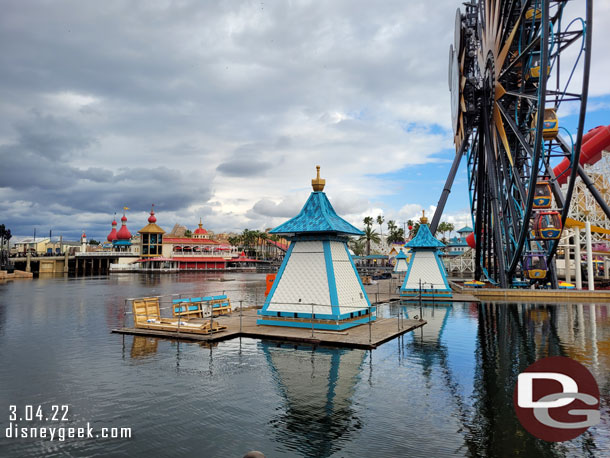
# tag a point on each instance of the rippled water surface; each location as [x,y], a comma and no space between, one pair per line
[444,390]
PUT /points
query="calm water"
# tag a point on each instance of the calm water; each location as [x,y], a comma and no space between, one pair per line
[444,390]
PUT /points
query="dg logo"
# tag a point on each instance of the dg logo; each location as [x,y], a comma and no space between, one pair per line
[556,399]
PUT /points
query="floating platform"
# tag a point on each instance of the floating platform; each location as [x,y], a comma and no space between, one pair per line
[538,295]
[386,290]
[4,275]
[381,331]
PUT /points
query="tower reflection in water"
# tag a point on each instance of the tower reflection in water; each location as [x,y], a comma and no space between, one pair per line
[317,386]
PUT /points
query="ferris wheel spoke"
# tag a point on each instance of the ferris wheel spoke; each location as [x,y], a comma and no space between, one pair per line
[522,55]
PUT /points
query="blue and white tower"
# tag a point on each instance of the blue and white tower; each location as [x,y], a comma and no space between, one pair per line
[425,266]
[318,276]
[401,262]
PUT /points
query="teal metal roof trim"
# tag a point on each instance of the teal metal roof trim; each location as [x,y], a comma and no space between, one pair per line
[465,229]
[317,215]
[424,239]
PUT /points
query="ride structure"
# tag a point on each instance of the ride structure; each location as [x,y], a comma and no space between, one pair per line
[513,66]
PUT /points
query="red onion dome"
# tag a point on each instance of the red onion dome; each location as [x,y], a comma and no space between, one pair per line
[123,233]
[200,230]
[112,236]
[152,218]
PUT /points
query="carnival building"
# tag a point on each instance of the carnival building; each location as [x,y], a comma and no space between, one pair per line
[401,262]
[426,273]
[317,284]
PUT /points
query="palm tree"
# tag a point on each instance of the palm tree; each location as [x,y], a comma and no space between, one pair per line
[380,221]
[263,237]
[370,235]
[357,247]
[248,237]
[397,235]
[391,226]
[368,221]
[445,227]
[234,240]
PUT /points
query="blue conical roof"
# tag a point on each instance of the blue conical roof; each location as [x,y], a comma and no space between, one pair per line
[317,215]
[424,239]
[401,255]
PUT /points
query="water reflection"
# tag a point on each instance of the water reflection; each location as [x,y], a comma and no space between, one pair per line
[443,390]
[143,347]
[317,387]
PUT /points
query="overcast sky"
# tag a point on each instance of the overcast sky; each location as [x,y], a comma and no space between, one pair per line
[222,110]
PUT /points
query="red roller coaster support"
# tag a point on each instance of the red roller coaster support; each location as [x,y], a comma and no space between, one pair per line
[593,143]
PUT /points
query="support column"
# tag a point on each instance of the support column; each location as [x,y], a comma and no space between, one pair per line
[606,265]
[590,271]
[568,263]
[66,260]
[28,267]
[577,270]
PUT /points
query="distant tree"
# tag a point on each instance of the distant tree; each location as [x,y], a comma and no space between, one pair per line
[369,236]
[444,228]
[5,234]
[414,228]
[93,242]
[380,221]
[234,240]
[396,235]
[188,233]
[357,246]
[263,237]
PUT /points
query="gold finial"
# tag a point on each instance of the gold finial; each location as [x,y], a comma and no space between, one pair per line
[200,223]
[423,219]
[318,183]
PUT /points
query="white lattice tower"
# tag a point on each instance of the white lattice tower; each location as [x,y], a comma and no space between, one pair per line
[584,207]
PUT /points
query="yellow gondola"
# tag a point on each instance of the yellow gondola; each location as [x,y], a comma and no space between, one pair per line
[533,13]
[542,196]
[534,71]
[550,127]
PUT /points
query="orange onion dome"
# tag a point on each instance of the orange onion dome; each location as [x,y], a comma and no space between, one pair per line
[123,233]
[112,236]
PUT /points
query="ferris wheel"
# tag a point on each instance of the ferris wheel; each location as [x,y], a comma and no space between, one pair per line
[514,67]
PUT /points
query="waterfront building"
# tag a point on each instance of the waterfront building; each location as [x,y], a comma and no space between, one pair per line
[317,284]
[198,252]
[458,245]
[151,238]
[400,264]
[426,270]
[151,247]
[30,245]
[123,237]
